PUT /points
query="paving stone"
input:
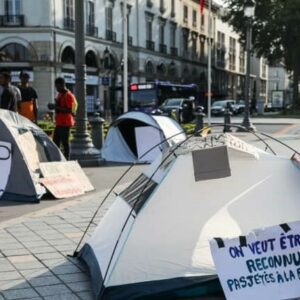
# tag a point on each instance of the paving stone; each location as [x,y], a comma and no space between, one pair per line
[44,280]
[70,248]
[51,255]
[86,295]
[34,244]
[52,290]
[20,294]
[37,250]
[1,297]
[10,275]
[61,242]
[80,286]
[63,269]
[76,277]
[29,238]
[68,296]
[28,265]
[14,252]
[29,274]
[54,262]
[9,246]
[5,265]
[14,284]
[21,259]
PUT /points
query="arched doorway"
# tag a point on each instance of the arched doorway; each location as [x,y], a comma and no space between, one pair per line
[68,56]
[15,52]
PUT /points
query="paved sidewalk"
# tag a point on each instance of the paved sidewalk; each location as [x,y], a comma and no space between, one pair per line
[33,252]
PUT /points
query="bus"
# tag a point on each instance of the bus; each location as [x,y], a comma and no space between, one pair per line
[147,97]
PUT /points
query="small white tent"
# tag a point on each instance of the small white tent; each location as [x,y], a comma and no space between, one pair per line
[131,135]
[153,242]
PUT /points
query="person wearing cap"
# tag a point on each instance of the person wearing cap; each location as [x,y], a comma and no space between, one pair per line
[27,107]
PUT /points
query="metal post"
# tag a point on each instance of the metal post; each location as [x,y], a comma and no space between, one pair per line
[82,148]
[125,57]
[97,130]
[246,122]
[209,65]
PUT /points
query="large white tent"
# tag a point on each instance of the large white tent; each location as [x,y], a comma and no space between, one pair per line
[154,240]
[132,134]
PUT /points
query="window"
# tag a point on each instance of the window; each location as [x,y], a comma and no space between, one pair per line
[202,21]
[172,8]
[202,47]
[162,33]
[149,21]
[263,87]
[90,13]
[185,41]
[109,18]
[194,45]
[185,13]
[173,35]
[221,49]
[232,53]
[242,60]
[15,52]
[12,7]
[162,6]
[194,18]
[69,9]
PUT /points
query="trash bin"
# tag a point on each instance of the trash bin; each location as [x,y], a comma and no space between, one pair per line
[260,107]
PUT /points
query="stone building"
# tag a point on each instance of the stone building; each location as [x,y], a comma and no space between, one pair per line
[167,41]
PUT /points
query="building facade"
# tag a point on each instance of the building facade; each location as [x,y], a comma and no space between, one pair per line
[168,40]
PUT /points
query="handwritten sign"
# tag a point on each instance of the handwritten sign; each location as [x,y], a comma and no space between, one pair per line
[62,186]
[67,168]
[262,265]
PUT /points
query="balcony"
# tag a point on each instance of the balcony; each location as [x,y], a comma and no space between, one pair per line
[12,20]
[130,41]
[69,24]
[163,48]
[174,51]
[91,30]
[111,35]
[150,45]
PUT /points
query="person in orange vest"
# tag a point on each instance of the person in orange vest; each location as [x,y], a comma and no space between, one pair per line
[27,107]
[64,116]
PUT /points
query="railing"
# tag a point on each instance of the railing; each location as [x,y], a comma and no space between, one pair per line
[163,48]
[12,20]
[150,45]
[91,30]
[174,51]
[69,24]
[111,35]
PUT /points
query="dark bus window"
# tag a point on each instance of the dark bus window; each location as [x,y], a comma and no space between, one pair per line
[142,98]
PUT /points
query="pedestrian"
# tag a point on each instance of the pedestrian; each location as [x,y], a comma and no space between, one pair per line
[64,118]
[8,99]
[27,107]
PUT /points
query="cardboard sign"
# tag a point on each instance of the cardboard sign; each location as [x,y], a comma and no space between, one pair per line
[262,265]
[62,186]
[67,168]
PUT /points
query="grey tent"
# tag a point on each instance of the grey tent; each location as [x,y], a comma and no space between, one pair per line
[29,146]
[132,134]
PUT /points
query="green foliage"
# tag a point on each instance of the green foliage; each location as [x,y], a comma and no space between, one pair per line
[276,31]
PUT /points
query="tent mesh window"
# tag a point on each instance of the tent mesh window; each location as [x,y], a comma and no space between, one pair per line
[138,192]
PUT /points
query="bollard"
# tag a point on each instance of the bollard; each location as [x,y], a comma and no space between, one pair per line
[227,120]
[97,130]
[199,122]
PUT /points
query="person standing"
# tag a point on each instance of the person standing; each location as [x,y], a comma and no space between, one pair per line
[8,99]
[27,107]
[64,118]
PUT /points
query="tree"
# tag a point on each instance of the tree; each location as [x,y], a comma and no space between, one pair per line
[276,32]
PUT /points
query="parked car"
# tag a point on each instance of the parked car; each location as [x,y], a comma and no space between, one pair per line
[184,106]
[239,107]
[218,107]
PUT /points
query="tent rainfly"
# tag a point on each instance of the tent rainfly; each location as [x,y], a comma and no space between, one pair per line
[131,135]
[23,145]
[153,243]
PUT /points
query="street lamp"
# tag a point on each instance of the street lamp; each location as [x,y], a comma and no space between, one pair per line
[249,14]
[82,148]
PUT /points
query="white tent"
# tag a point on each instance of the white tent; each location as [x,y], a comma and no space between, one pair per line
[154,240]
[131,135]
